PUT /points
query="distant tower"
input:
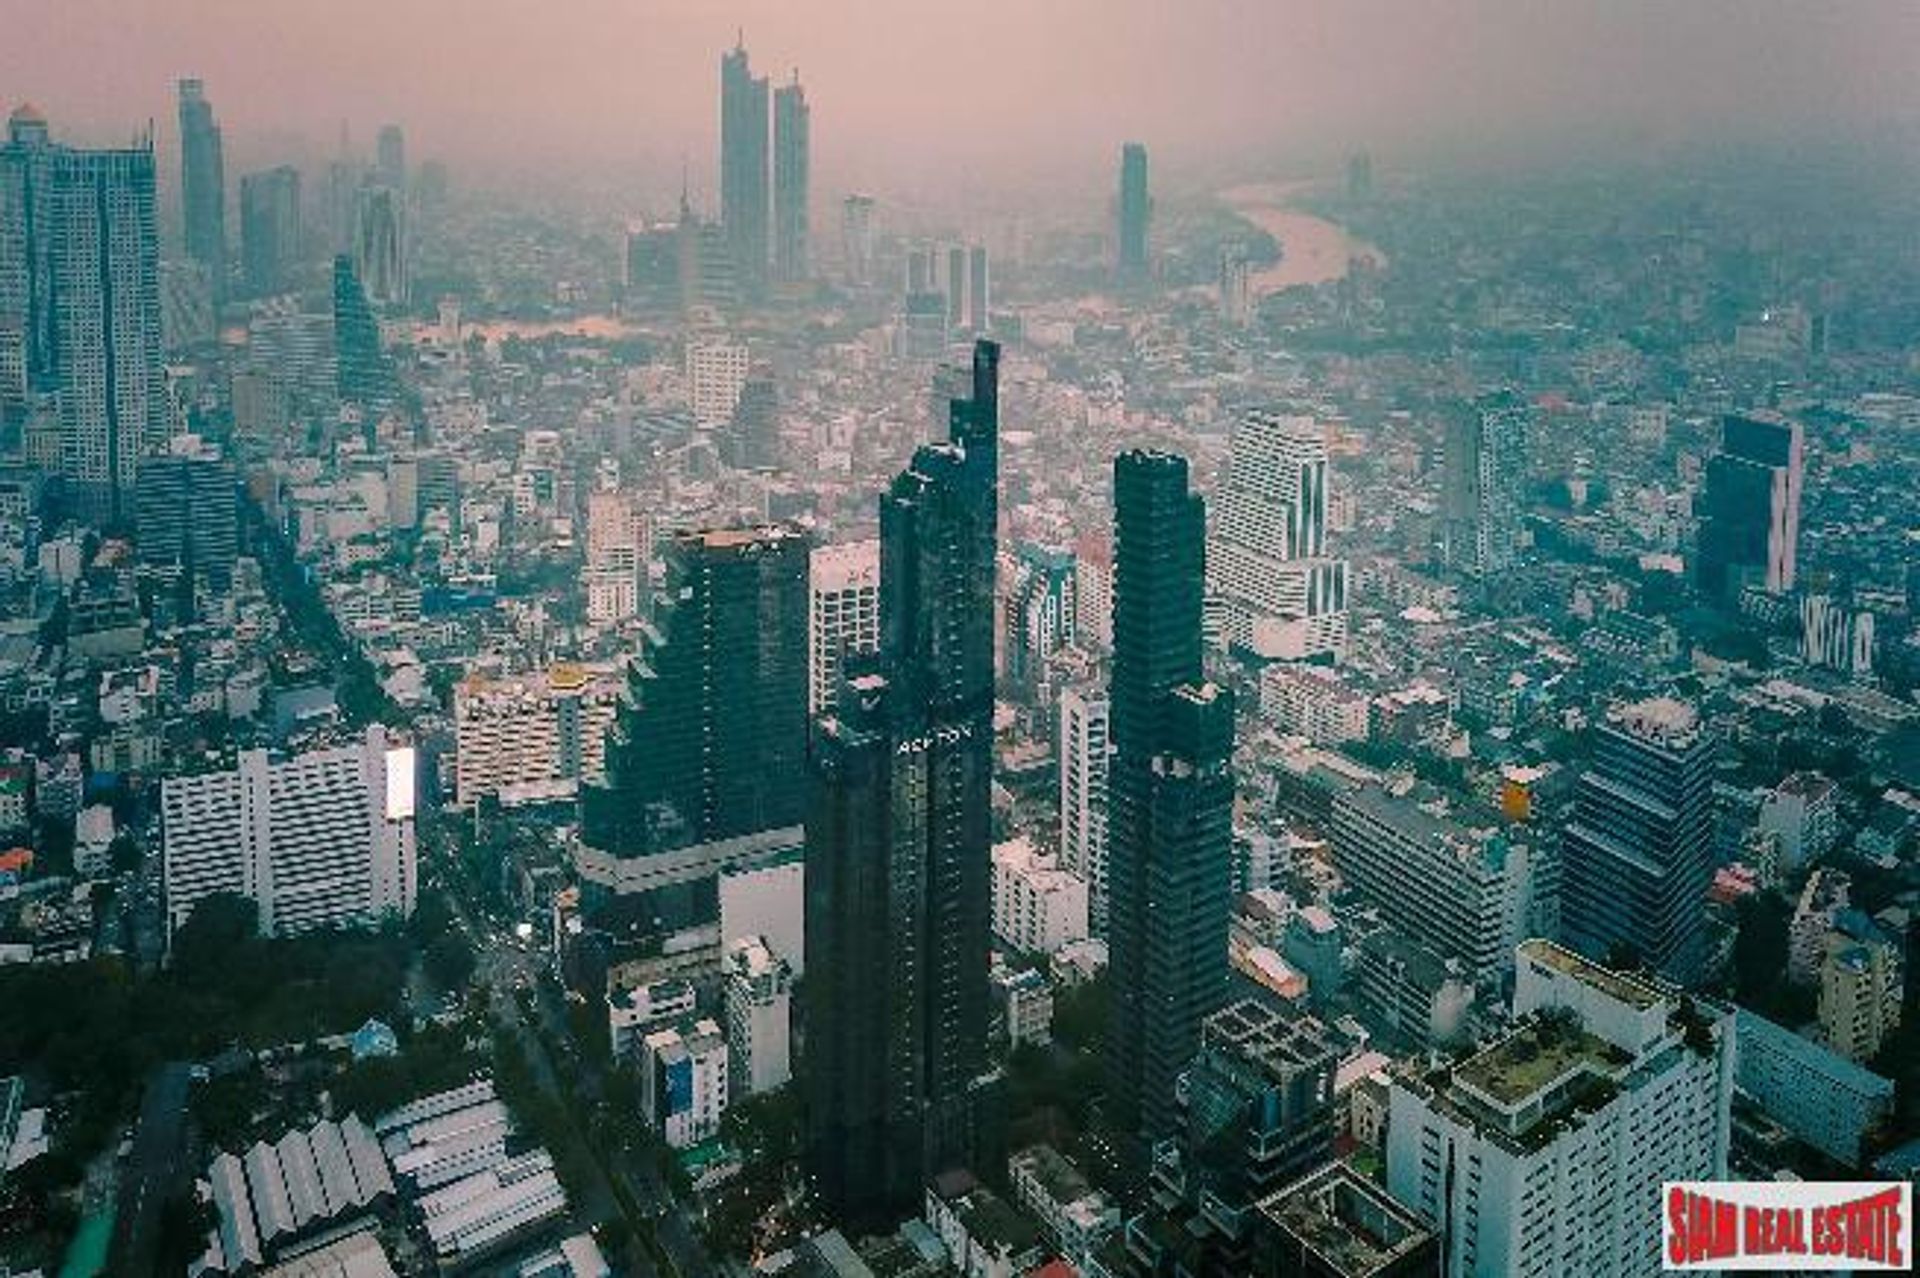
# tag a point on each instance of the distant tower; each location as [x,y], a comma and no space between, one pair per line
[1750,507]
[1136,209]
[1486,472]
[956,286]
[791,182]
[979,299]
[203,185]
[856,233]
[743,168]
[380,244]
[1638,854]
[1359,176]
[1171,810]
[269,229]
[390,157]
[362,373]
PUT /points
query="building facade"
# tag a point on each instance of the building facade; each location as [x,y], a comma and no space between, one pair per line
[534,737]
[843,615]
[1485,485]
[1084,752]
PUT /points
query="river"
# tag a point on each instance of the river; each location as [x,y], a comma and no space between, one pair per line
[1312,249]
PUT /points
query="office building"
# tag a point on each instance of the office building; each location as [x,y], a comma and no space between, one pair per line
[1335,1223]
[1411,992]
[856,238]
[1466,891]
[185,512]
[792,180]
[532,738]
[751,437]
[1749,508]
[1037,906]
[270,246]
[363,375]
[1637,856]
[1282,596]
[1136,208]
[716,374]
[1171,795]
[650,267]
[743,168]
[1041,612]
[684,1082]
[1820,1096]
[320,839]
[203,185]
[390,157]
[1485,487]
[1545,1152]
[956,291]
[758,998]
[710,283]
[899,896]
[380,244]
[298,352]
[978,315]
[843,611]
[27,239]
[1084,752]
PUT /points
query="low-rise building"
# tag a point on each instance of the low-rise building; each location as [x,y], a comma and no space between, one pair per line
[1075,1215]
[759,996]
[1820,1096]
[683,1082]
[1037,906]
[983,1235]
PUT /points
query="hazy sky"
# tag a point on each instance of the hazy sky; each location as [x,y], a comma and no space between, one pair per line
[899,86]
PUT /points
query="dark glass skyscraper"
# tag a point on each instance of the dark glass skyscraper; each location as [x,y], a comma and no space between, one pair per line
[1638,855]
[203,184]
[743,168]
[1171,788]
[269,228]
[363,375]
[1136,208]
[792,175]
[1750,507]
[898,842]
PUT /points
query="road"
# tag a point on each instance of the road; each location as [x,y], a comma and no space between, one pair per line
[156,1165]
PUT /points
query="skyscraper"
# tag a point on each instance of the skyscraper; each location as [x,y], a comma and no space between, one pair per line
[743,168]
[956,285]
[1750,507]
[203,184]
[363,375]
[791,182]
[269,228]
[390,157]
[1136,209]
[185,511]
[1283,596]
[898,845]
[1169,831]
[856,236]
[1486,472]
[380,244]
[26,241]
[1084,750]
[978,315]
[1638,855]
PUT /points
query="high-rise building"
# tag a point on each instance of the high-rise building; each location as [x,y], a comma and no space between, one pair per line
[1040,609]
[1169,833]
[390,157]
[1236,289]
[619,546]
[1750,507]
[1859,986]
[362,372]
[759,999]
[380,244]
[856,238]
[1136,209]
[751,439]
[1282,597]
[1038,906]
[185,512]
[716,372]
[792,182]
[320,839]
[710,740]
[203,184]
[709,281]
[532,738]
[978,315]
[269,228]
[650,269]
[1545,1152]
[1486,474]
[898,838]
[956,286]
[26,242]
[1637,857]
[743,168]
[843,616]
[1084,752]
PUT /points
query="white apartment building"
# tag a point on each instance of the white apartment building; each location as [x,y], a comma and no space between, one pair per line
[322,839]
[1544,1153]
[1093,600]
[1084,755]
[1058,1195]
[716,370]
[759,1010]
[619,545]
[1037,906]
[1276,591]
[843,614]
[683,1082]
[532,737]
[1314,702]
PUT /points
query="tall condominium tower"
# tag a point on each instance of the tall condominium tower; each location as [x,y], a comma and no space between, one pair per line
[380,244]
[1283,597]
[1486,472]
[1169,831]
[1136,209]
[185,511]
[1638,855]
[203,184]
[791,182]
[844,616]
[1545,1151]
[1750,507]
[269,229]
[898,846]
[1084,750]
[743,168]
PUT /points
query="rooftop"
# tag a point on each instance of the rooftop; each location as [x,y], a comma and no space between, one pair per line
[1635,993]
[1347,1222]
[1534,1057]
